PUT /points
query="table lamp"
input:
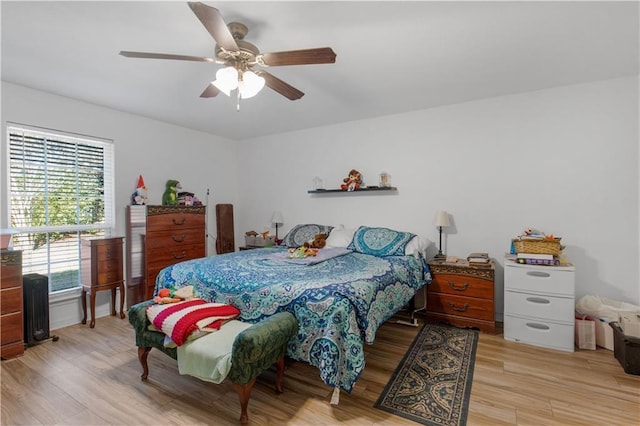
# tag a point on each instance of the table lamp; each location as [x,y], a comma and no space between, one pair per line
[277,220]
[441,220]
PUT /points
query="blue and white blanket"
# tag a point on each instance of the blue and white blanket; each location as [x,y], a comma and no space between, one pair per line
[339,303]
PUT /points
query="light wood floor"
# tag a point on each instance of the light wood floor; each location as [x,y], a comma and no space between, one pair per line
[91,377]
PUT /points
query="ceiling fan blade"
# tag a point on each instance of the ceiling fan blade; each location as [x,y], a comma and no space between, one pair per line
[146,55]
[285,89]
[210,92]
[214,23]
[321,55]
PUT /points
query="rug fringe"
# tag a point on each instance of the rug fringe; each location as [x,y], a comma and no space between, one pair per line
[335,397]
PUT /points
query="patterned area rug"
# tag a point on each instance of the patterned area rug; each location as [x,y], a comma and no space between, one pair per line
[432,384]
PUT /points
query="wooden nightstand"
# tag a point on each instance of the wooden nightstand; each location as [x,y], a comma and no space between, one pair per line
[101,267]
[462,295]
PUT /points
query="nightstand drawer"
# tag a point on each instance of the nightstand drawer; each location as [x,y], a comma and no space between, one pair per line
[108,252]
[539,332]
[12,330]
[540,279]
[462,285]
[460,305]
[11,301]
[532,305]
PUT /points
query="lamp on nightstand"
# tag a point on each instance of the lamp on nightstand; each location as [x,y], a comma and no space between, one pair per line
[277,220]
[441,220]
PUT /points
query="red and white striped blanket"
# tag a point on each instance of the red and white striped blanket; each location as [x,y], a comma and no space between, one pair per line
[179,320]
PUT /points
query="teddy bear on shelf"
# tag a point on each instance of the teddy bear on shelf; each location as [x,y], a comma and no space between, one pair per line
[318,242]
[352,182]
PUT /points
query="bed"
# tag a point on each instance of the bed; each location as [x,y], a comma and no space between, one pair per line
[339,301]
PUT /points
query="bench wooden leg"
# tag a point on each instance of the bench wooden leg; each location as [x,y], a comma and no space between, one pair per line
[244,393]
[142,356]
[280,375]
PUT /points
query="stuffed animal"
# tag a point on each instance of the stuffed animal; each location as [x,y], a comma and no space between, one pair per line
[301,252]
[170,196]
[318,242]
[139,197]
[352,182]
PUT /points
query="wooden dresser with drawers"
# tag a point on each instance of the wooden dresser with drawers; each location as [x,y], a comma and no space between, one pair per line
[462,295]
[173,234]
[11,300]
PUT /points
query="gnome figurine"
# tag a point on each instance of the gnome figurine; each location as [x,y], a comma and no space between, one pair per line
[139,197]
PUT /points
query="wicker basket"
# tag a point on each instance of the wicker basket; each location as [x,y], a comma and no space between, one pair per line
[530,245]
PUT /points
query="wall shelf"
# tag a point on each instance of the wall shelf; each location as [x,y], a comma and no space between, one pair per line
[365,189]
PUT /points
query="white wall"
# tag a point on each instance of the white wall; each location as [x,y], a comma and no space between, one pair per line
[563,160]
[157,150]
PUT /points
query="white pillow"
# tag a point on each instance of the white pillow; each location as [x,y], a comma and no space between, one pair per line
[340,237]
[417,244]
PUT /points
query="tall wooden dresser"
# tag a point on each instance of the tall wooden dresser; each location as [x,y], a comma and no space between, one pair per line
[11,304]
[173,234]
[101,268]
[462,295]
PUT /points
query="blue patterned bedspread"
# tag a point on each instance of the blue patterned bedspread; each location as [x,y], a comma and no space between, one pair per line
[339,303]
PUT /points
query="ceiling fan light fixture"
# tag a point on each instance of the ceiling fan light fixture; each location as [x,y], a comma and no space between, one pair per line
[226,80]
[250,84]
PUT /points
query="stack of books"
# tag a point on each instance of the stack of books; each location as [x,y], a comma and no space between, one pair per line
[537,259]
[479,259]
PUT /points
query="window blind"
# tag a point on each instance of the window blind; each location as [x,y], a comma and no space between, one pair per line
[61,190]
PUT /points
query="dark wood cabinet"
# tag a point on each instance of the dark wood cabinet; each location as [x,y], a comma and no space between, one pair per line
[11,317]
[101,269]
[462,295]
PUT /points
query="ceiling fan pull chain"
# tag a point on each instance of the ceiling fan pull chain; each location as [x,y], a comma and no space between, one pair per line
[238,102]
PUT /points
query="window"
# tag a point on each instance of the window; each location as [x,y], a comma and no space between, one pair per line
[61,190]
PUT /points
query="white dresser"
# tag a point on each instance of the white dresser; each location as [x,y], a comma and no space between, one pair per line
[539,305]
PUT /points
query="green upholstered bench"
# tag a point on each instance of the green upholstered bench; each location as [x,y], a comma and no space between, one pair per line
[254,350]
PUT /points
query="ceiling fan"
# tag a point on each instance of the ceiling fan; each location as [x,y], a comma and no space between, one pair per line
[242,59]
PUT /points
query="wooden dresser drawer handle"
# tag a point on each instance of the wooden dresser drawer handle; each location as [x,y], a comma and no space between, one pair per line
[175,222]
[538,274]
[181,256]
[457,308]
[179,240]
[463,287]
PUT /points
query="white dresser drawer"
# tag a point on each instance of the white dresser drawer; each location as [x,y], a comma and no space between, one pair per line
[551,308]
[547,334]
[540,279]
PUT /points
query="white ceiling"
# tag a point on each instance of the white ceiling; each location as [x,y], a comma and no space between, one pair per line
[392,57]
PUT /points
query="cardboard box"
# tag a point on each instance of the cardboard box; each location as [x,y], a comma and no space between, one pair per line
[258,241]
[627,350]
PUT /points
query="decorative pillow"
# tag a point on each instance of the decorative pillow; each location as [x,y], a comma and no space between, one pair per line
[417,244]
[380,241]
[300,234]
[340,237]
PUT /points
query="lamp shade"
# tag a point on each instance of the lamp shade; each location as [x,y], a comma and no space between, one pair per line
[250,84]
[276,218]
[226,80]
[441,219]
